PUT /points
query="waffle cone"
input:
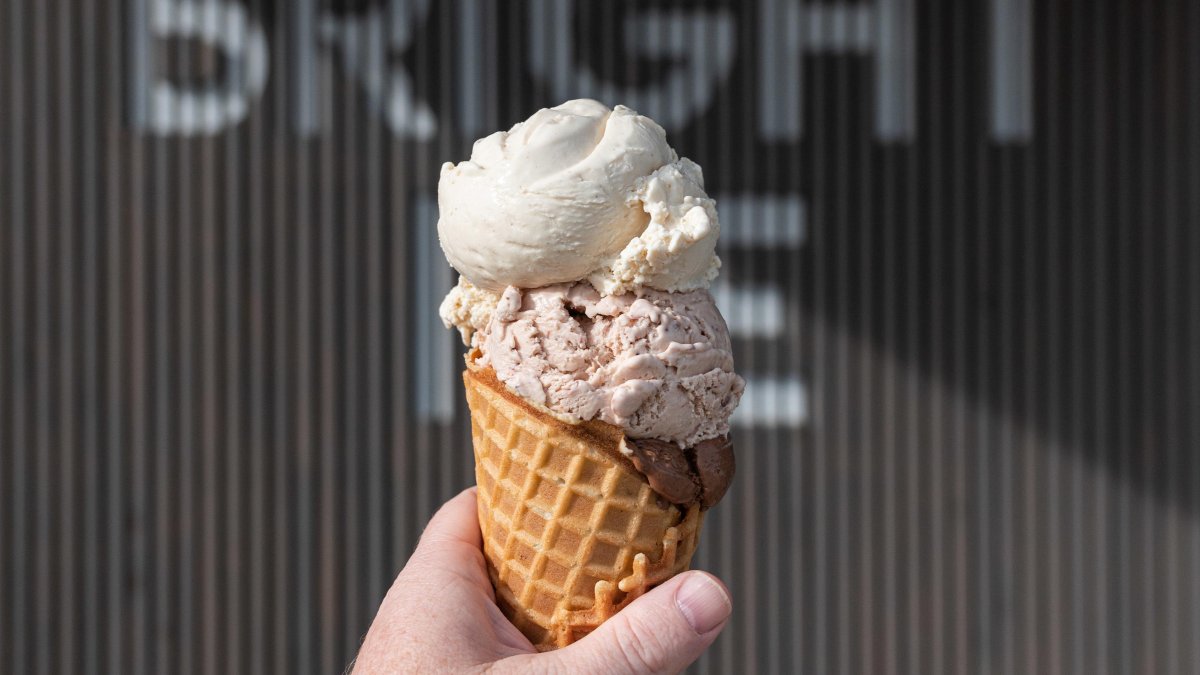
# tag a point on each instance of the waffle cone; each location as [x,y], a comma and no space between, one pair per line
[572,532]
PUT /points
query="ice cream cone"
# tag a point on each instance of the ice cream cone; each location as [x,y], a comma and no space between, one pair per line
[572,532]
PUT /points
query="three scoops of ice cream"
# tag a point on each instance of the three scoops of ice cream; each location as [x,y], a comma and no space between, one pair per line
[585,247]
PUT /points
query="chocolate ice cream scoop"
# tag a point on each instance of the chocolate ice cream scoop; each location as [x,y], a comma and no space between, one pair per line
[715,467]
[685,476]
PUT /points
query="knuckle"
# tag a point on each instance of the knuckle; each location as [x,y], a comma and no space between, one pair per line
[639,648]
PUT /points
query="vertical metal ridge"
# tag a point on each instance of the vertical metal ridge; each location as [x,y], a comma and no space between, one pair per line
[325,469]
[1033,285]
[1125,608]
[18,619]
[140,370]
[114,268]
[910,452]
[1173,263]
[793,650]
[959,359]
[309,410]
[158,204]
[354,452]
[1006,440]
[775,574]
[938,422]
[1099,215]
[290,334]
[210,420]
[89,607]
[1003,438]
[840,393]
[8,172]
[402,171]
[345,574]
[1193,360]
[821,378]
[68,394]
[1053,290]
[445,461]
[259,310]
[41,444]
[375,448]
[876,382]
[1078,348]
[149,187]
[1192,303]
[164,394]
[234,571]
[983,228]
[192,576]
[937,548]
[745,570]
[871,454]
[1152,454]
[423,458]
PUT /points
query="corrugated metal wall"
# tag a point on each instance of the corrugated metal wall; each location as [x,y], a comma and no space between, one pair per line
[960,251]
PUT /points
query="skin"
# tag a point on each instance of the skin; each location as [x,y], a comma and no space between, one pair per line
[440,615]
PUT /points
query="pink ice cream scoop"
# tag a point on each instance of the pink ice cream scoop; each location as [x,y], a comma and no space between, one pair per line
[657,364]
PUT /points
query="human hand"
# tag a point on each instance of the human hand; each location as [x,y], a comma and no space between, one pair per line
[440,615]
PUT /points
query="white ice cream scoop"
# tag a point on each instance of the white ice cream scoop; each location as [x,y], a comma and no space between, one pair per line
[567,195]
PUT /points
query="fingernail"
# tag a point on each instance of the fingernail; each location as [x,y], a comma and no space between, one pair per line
[703,602]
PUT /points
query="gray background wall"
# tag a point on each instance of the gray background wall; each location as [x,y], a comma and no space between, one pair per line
[960,253]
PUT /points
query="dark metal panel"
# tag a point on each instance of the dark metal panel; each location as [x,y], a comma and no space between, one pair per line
[958,266]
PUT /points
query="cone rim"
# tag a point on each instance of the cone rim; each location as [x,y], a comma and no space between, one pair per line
[601,435]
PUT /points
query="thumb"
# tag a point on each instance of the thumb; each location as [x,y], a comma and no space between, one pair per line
[663,631]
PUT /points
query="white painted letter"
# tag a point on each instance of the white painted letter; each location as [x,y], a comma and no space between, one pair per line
[699,44]
[1011,64]
[364,43]
[789,29]
[160,106]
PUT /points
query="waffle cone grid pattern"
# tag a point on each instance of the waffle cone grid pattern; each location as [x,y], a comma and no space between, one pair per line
[569,527]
